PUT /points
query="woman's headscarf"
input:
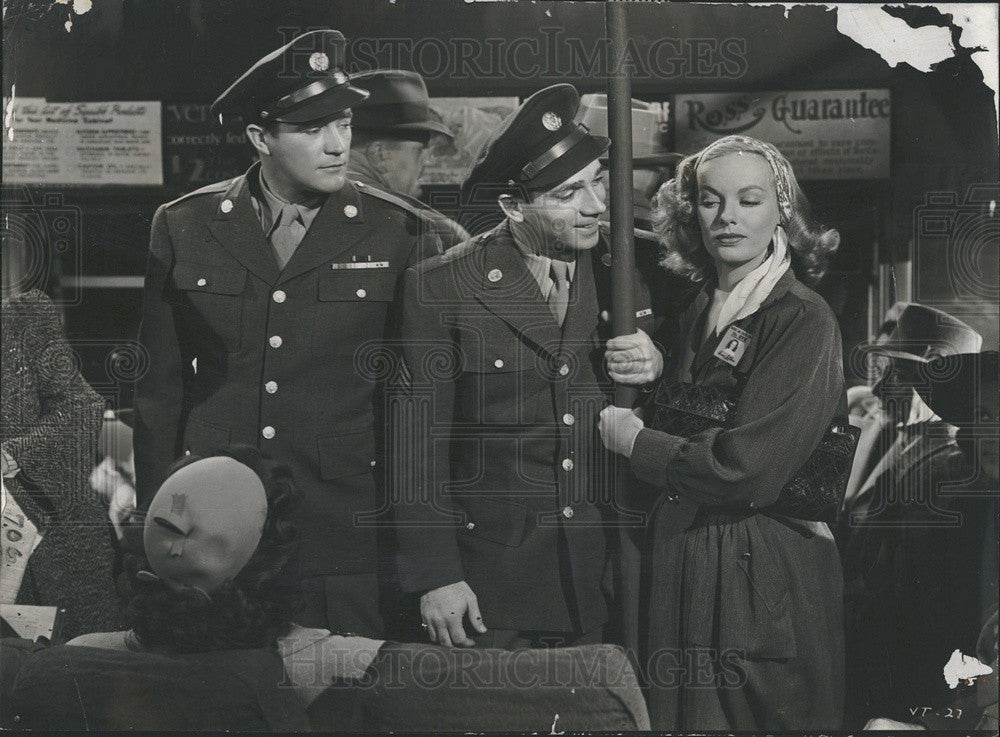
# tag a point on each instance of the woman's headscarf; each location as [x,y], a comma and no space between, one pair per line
[747,296]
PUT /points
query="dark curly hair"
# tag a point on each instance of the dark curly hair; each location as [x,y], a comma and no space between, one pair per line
[252,610]
[675,220]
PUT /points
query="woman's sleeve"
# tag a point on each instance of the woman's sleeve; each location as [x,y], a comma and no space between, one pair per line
[789,399]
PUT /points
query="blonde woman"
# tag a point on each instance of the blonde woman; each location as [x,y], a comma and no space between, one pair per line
[744,627]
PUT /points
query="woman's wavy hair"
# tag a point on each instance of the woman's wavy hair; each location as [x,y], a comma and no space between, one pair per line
[253,609]
[675,217]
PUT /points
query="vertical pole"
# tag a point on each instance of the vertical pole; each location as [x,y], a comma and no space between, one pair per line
[628,571]
[620,173]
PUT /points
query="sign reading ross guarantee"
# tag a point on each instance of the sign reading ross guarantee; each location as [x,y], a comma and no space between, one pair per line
[826,134]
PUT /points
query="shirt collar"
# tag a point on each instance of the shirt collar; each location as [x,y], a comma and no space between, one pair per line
[272,205]
[540,266]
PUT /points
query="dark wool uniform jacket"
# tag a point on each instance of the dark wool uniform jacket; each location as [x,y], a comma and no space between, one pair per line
[506,457]
[288,361]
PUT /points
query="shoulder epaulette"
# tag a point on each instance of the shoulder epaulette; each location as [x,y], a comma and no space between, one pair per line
[212,188]
[390,198]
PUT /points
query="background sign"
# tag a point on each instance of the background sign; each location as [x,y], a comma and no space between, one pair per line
[95,143]
[826,134]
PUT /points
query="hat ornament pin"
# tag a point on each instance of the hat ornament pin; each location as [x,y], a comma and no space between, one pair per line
[319,62]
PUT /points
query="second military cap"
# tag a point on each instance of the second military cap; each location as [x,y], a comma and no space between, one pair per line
[301,82]
[398,104]
[538,145]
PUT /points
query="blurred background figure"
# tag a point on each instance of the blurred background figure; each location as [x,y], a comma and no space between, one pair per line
[652,163]
[391,134]
[652,166]
[51,418]
[920,335]
[113,478]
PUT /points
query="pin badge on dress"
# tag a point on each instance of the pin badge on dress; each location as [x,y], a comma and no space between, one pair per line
[733,345]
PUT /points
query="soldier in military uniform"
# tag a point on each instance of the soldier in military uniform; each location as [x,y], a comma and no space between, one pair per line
[505,525]
[392,129]
[262,295]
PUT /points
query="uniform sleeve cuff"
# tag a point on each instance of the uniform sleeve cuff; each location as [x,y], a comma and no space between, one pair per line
[652,452]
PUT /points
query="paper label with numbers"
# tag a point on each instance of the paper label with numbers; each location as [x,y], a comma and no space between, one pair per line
[18,538]
[733,345]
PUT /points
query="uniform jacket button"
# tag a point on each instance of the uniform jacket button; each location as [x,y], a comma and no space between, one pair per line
[202,282]
[279,296]
[361,293]
[267,432]
[567,464]
[498,363]
[274,341]
[568,419]
[271,387]
[567,512]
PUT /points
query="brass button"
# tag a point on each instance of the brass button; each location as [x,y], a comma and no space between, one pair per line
[470,526]
[563,370]
[567,464]
[268,432]
[567,512]
[274,341]
[498,363]
[202,282]
[361,293]
[271,387]
[350,210]
[495,275]
[226,206]
[372,463]
[279,296]
[568,419]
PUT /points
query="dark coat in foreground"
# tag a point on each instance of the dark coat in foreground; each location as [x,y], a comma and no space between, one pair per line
[51,419]
[920,572]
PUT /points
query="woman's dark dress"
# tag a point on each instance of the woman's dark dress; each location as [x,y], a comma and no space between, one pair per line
[745,627]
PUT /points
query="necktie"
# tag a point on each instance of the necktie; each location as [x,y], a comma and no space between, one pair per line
[287,234]
[558,298]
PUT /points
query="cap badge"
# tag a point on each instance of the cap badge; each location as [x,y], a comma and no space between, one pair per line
[551,121]
[319,62]
[178,503]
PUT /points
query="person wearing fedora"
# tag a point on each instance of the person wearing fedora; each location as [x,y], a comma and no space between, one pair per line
[392,130]
[259,294]
[903,529]
[957,566]
[503,534]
